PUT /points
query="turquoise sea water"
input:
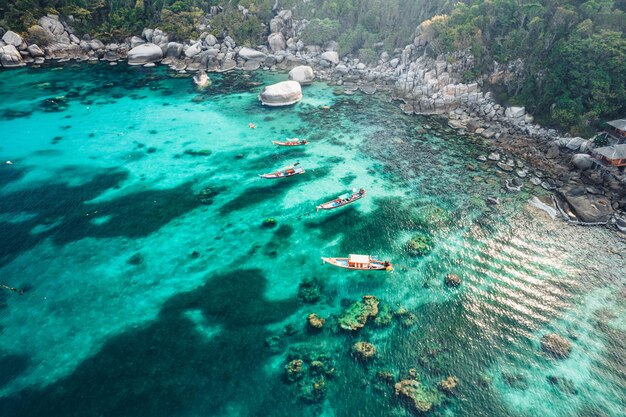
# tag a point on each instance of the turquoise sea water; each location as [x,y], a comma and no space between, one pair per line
[141,298]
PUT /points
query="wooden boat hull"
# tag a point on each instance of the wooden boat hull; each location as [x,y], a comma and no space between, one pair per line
[375,265]
[336,203]
[275,142]
[282,174]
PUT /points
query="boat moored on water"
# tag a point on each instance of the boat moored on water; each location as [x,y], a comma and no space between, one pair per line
[291,142]
[360,262]
[342,200]
[284,172]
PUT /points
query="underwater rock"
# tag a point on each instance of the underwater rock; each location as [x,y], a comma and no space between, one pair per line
[293,370]
[201,79]
[419,245]
[434,359]
[564,385]
[315,322]
[284,93]
[515,380]
[452,280]
[198,152]
[385,376]
[556,345]
[136,259]
[384,316]
[309,291]
[363,351]
[449,384]
[355,317]
[290,330]
[269,223]
[406,318]
[207,195]
[145,53]
[314,392]
[302,74]
[416,396]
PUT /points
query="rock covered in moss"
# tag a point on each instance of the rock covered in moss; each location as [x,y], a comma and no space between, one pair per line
[556,345]
[355,317]
[294,370]
[449,384]
[315,322]
[309,290]
[452,280]
[384,316]
[416,396]
[363,350]
[419,245]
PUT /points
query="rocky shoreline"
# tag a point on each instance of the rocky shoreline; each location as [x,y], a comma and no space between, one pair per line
[530,154]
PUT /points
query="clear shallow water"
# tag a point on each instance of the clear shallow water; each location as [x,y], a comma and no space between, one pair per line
[108,162]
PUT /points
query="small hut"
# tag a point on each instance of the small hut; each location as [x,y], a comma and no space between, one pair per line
[617,128]
[613,155]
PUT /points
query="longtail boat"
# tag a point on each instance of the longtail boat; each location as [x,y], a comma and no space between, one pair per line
[284,172]
[343,200]
[360,262]
[291,142]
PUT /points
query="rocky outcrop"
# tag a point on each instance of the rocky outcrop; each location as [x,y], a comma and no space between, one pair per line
[281,94]
[201,79]
[363,351]
[582,161]
[315,322]
[277,42]
[556,345]
[589,208]
[10,57]
[145,53]
[331,57]
[302,74]
[251,54]
[12,38]
[417,397]
[452,280]
[355,317]
[449,384]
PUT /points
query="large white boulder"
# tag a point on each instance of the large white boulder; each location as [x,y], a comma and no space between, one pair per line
[281,94]
[249,53]
[145,53]
[515,112]
[193,50]
[174,50]
[277,42]
[582,161]
[210,40]
[136,41]
[331,56]
[10,57]
[12,38]
[35,51]
[52,24]
[302,74]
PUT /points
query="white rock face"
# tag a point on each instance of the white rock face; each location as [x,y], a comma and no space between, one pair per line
[193,50]
[174,50]
[515,112]
[136,41]
[53,25]
[302,74]
[10,57]
[248,53]
[277,42]
[210,40]
[142,54]
[331,56]
[35,51]
[12,38]
[281,94]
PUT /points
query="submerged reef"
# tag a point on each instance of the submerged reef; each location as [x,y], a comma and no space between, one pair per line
[355,317]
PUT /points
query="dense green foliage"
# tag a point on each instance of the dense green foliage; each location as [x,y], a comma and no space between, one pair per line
[574,53]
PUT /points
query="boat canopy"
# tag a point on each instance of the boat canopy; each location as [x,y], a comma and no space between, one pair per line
[359,259]
[343,196]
